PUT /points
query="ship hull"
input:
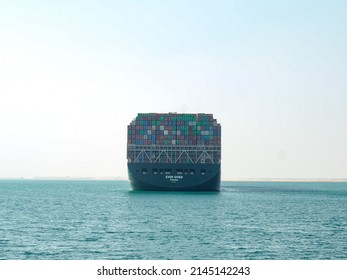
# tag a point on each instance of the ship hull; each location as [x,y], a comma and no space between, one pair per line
[174,177]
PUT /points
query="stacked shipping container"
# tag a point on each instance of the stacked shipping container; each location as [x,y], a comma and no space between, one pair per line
[174,129]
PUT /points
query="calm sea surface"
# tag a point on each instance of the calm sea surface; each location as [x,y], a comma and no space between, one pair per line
[106,220]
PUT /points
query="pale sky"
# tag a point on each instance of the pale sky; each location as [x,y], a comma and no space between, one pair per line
[73,74]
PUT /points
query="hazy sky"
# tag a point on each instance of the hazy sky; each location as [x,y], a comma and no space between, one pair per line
[73,74]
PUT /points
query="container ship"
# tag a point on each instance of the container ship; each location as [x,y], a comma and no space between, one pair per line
[174,152]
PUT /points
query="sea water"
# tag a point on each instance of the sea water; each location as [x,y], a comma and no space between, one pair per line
[77,220]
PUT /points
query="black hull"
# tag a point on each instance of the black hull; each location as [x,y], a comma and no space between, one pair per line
[174,177]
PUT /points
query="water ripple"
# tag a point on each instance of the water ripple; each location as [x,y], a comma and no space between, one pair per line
[104,220]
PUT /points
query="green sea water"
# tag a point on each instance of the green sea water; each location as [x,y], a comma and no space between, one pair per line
[77,220]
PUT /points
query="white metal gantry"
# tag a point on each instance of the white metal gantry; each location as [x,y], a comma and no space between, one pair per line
[173,154]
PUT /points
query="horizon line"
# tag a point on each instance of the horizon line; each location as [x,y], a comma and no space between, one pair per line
[121,178]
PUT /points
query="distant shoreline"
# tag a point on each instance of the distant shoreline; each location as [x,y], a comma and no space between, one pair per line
[283,180]
[322,180]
